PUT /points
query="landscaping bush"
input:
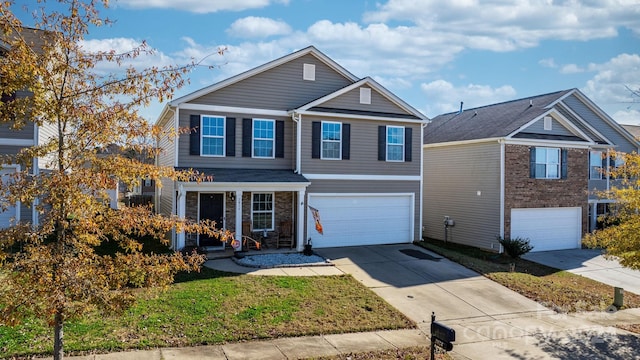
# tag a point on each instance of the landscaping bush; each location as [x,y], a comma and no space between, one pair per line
[515,247]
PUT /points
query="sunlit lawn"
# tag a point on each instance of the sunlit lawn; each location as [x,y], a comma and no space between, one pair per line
[214,307]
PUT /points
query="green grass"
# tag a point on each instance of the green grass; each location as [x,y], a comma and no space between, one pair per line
[212,307]
[556,289]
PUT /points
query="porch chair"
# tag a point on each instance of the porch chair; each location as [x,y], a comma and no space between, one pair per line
[249,242]
[284,235]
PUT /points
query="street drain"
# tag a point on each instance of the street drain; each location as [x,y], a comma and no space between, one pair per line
[419,254]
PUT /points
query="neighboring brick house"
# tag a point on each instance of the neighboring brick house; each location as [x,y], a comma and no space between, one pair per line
[525,168]
[296,133]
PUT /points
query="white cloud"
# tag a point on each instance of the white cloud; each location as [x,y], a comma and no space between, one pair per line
[628,117]
[608,87]
[258,27]
[443,97]
[200,6]
[549,63]
[571,69]
[505,26]
[122,46]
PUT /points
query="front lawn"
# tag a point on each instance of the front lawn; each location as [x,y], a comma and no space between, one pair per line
[212,307]
[559,290]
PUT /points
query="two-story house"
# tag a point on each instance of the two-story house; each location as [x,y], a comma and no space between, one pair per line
[527,168]
[287,138]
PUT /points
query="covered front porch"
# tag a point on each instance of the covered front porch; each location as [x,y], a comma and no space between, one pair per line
[264,209]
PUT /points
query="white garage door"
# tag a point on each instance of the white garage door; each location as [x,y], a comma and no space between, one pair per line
[361,219]
[6,216]
[548,228]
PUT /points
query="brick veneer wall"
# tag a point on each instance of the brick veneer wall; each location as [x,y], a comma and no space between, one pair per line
[521,191]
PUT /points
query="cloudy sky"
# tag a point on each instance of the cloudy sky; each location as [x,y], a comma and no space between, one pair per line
[433,54]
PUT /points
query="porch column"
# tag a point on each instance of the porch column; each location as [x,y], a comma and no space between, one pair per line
[181,213]
[239,218]
[300,240]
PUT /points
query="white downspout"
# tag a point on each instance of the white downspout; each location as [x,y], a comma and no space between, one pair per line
[297,118]
[502,184]
[421,202]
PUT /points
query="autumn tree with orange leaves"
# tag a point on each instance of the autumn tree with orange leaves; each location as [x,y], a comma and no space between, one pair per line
[51,269]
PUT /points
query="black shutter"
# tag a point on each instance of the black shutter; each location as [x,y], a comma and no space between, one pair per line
[315,139]
[279,138]
[532,162]
[382,143]
[407,143]
[563,163]
[194,135]
[247,136]
[346,141]
[230,137]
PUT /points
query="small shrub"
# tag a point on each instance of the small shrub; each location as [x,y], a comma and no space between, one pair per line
[515,247]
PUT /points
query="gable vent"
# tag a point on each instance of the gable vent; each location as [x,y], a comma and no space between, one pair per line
[365,95]
[309,72]
[547,123]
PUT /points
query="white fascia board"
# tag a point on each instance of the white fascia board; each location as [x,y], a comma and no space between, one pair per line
[239,186]
[233,109]
[359,117]
[461,142]
[368,194]
[17,142]
[257,70]
[549,143]
[362,177]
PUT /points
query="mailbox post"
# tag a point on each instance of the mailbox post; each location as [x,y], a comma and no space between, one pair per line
[441,336]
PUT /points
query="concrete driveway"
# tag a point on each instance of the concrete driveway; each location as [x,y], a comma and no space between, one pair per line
[590,263]
[491,321]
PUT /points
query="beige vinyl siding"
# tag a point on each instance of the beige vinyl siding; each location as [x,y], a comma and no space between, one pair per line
[279,88]
[453,175]
[363,148]
[46,132]
[166,157]
[166,197]
[374,187]
[237,161]
[351,101]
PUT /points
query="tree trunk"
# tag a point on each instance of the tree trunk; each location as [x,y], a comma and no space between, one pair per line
[58,346]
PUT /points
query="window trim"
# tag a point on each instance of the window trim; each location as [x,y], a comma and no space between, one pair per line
[272,211]
[323,141]
[253,139]
[546,163]
[203,136]
[389,127]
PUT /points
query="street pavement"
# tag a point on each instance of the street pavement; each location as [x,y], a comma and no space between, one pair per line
[491,321]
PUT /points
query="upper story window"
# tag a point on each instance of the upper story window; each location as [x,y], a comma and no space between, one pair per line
[548,163]
[595,165]
[263,138]
[213,130]
[331,140]
[395,143]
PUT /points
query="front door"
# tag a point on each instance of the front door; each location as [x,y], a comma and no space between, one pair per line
[212,208]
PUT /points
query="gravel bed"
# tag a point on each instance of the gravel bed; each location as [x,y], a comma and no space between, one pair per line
[281,260]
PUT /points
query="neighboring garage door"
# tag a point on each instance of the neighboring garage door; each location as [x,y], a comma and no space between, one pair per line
[548,228]
[6,216]
[361,219]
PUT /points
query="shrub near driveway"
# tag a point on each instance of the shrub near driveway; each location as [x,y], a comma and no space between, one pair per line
[212,307]
[559,290]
